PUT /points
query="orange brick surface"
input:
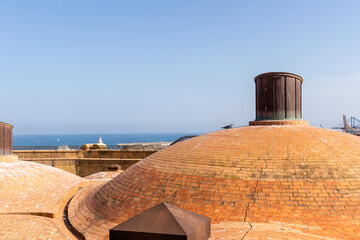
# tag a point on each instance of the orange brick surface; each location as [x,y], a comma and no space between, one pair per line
[21,227]
[104,175]
[27,187]
[303,179]
[33,198]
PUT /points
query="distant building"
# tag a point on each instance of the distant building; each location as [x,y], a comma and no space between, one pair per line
[98,145]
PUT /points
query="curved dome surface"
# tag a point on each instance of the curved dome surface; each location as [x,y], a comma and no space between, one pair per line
[298,175]
[103,175]
[27,187]
[19,227]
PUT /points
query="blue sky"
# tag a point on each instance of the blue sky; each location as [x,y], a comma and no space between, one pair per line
[170,66]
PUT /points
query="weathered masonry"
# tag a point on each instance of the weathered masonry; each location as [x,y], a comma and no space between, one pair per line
[83,163]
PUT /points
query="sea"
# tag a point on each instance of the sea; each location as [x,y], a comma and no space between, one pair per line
[74,141]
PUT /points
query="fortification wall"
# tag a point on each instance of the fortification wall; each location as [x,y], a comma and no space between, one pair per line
[83,163]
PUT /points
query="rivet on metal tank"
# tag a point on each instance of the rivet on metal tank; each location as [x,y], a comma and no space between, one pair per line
[278,96]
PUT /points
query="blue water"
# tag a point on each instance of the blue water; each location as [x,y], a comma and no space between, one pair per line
[76,140]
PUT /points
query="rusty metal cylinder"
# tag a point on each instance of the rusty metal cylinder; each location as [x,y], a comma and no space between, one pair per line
[278,96]
[6,139]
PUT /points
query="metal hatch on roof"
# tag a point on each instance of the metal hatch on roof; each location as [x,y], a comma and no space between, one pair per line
[164,221]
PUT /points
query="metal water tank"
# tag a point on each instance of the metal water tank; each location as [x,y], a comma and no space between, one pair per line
[6,141]
[278,96]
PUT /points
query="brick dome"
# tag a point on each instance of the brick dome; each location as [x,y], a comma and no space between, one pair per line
[293,176]
[28,187]
[33,198]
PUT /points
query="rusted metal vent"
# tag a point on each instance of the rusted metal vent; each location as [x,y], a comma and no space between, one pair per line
[6,141]
[163,222]
[278,96]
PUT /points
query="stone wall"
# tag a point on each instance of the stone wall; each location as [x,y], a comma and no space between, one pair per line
[83,163]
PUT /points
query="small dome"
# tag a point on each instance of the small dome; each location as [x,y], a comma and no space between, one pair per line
[301,177]
[33,198]
[28,187]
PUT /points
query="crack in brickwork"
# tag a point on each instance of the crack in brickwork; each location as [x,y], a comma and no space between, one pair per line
[243,237]
[253,196]
[248,205]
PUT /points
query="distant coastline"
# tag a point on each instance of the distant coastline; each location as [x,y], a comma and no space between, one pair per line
[74,141]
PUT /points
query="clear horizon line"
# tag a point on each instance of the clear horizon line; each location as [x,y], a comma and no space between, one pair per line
[108,133]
